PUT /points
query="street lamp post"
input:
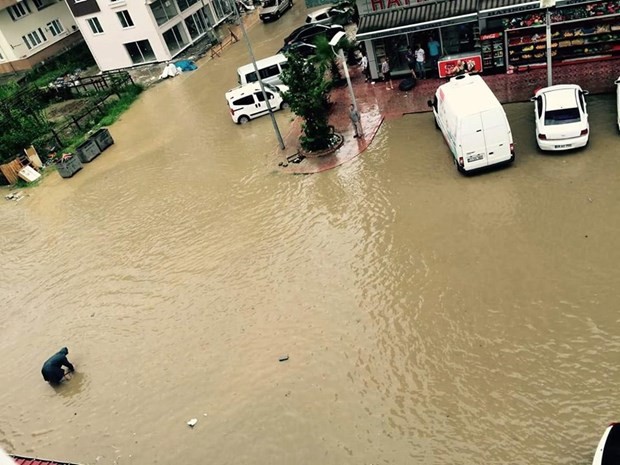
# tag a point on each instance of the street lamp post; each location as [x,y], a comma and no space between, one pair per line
[548,4]
[340,54]
[260,81]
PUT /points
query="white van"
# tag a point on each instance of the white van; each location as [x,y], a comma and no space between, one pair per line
[248,102]
[269,70]
[618,100]
[272,9]
[473,123]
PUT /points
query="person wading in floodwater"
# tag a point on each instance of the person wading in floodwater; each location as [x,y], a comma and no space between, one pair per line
[52,369]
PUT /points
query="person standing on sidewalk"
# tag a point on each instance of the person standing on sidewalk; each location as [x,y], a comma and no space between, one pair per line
[385,70]
[410,57]
[420,60]
[364,67]
[356,120]
[434,50]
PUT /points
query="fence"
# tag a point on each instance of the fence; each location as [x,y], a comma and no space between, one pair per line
[109,81]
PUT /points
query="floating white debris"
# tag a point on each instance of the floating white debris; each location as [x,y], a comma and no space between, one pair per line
[192,422]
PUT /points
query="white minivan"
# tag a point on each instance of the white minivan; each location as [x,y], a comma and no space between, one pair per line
[269,70]
[473,123]
[248,101]
[272,9]
[618,100]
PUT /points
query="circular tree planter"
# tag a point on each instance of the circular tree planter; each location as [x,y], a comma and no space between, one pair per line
[336,143]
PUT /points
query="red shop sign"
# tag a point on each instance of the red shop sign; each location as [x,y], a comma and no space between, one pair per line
[463,64]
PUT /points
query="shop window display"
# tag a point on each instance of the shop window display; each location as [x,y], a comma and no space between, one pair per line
[577,32]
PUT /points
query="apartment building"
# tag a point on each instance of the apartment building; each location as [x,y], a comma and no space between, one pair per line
[32,31]
[126,33]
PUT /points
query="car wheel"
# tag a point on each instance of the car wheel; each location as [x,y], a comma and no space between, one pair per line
[284,105]
[243,119]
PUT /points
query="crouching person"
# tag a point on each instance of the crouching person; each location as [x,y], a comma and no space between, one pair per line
[52,369]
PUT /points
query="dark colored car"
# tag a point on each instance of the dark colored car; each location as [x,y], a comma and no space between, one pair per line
[304,50]
[308,32]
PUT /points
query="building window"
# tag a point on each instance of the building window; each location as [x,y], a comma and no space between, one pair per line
[95,25]
[55,27]
[163,11]
[19,10]
[140,51]
[40,4]
[175,38]
[196,25]
[185,4]
[222,8]
[34,39]
[125,18]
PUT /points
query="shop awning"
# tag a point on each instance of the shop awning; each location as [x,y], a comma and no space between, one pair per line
[415,18]
[503,7]
[506,7]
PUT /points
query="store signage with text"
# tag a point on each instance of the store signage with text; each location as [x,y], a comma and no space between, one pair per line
[463,64]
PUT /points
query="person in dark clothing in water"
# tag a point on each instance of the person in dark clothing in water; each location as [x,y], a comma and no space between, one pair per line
[52,369]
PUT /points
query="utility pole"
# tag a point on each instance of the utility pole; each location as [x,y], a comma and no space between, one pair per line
[547,4]
[260,81]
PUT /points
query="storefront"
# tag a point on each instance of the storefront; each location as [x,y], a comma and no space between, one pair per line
[388,29]
[492,36]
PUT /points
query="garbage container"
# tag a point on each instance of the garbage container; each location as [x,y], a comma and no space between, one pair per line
[103,138]
[88,150]
[68,166]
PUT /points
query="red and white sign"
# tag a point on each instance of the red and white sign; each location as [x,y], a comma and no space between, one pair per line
[459,65]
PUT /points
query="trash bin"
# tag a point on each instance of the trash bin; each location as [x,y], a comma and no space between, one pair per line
[103,138]
[69,166]
[88,150]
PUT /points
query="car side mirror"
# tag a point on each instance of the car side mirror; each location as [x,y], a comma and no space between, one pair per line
[585,92]
[617,81]
[429,103]
[532,99]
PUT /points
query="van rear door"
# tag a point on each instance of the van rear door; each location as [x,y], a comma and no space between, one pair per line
[472,144]
[497,136]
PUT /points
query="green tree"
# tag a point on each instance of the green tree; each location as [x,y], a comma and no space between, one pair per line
[21,121]
[308,97]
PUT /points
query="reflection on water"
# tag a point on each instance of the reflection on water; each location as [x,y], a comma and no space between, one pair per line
[429,318]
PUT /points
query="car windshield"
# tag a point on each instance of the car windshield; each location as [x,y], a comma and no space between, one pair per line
[269,3]
[563,116]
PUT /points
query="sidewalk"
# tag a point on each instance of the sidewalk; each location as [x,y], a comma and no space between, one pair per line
[375,103]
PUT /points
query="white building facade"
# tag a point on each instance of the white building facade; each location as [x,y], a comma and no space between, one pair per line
[32,31]
[126,33]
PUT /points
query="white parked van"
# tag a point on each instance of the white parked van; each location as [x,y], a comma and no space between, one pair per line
[272,9]
[248,102]
[269,70]
[618,100]
[473,123]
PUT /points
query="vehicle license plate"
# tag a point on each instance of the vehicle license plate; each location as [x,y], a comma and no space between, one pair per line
[562,146]
[476,157]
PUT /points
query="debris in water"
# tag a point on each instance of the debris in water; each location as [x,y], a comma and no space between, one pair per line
[192,422]
[283,358]
[16,196]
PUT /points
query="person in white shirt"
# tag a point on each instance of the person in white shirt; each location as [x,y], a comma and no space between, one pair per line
[420,60]
[364,67]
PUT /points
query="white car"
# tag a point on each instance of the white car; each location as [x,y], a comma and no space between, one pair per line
[618,100]
[248,102]
[608,449]
[328,15]
[561,117]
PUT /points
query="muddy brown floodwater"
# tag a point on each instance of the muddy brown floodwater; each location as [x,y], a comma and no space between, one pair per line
[429,318]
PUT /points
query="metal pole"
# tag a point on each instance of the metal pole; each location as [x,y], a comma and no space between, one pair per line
[346,74]
[548,35]
[260,81]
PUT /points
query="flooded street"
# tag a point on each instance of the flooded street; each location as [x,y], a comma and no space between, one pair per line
[430,318]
